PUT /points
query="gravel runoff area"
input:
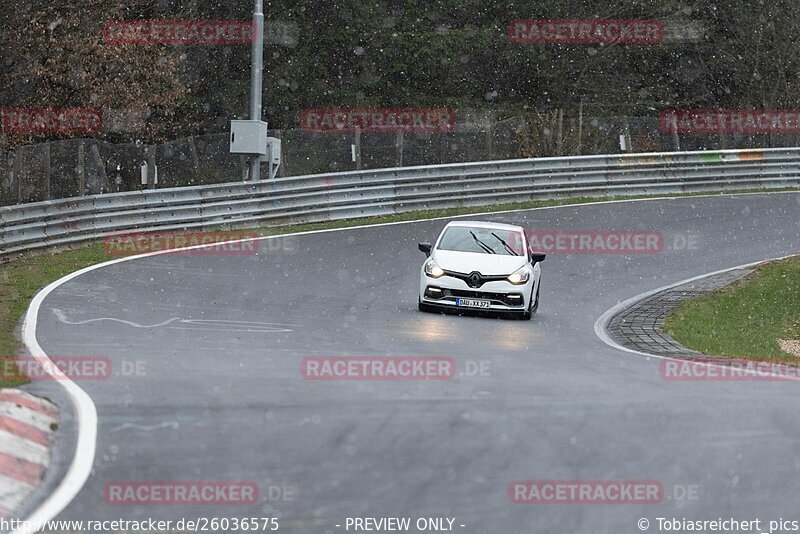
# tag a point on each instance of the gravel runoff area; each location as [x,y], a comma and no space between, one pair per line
[792,346]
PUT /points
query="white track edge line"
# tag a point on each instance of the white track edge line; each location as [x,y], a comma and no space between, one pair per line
[86,412]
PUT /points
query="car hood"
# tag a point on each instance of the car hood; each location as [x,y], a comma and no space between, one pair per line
[487,264]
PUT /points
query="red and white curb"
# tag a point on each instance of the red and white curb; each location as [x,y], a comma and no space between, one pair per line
[27,428]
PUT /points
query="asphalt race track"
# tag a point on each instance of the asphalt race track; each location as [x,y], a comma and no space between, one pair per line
[219,397]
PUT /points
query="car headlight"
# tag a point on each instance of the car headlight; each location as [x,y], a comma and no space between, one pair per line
[433,270]
[520,276]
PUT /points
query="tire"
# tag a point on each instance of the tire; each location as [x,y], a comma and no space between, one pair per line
[423,307]
[535,305]
[526,315]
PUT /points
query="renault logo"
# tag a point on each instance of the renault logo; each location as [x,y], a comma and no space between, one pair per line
[475,279]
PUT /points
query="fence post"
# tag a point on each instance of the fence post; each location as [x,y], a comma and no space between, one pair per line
[18,171]
[676,140]
[525,145]
[357,149]
[193,154]
[626,128]
[560,137]
[580,127]
[81,167]
[6,178]
[490,137]
[151,166]
[100,166]
[282,167]
[48,186]
[398,144]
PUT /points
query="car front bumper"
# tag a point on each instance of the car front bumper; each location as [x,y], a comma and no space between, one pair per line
[503,296]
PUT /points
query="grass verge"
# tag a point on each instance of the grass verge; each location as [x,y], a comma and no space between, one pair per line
[744,319]
[23,275]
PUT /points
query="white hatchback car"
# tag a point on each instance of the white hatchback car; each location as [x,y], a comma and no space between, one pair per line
[480,266]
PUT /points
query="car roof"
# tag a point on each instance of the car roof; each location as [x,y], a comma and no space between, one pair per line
[486,224]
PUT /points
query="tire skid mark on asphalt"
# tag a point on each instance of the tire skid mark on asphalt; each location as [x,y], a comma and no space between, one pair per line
[172,425]
[202,324]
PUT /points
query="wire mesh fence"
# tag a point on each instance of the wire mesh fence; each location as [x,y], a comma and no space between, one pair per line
[76,167]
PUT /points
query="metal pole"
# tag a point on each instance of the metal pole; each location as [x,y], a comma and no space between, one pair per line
[256,75]
[580,126]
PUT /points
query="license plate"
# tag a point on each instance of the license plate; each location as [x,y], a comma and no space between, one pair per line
[472,303]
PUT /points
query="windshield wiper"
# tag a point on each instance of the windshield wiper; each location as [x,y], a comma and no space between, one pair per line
[508,248]
[481,244]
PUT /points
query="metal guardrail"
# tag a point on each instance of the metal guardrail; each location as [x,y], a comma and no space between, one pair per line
[334,196]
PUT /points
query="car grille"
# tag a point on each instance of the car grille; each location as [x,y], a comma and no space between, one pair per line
[475,279]
[500,298]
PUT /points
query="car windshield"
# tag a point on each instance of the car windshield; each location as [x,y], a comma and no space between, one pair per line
[483,241]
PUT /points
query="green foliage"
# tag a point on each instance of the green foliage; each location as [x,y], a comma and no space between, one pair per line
[452,53]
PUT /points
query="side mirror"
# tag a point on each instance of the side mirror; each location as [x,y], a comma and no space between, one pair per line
[426,248]
[536,257]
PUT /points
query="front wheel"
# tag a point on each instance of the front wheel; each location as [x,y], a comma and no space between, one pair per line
[526,315]
[535,305]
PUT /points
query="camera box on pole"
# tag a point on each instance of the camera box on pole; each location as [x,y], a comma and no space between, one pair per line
[249,137]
